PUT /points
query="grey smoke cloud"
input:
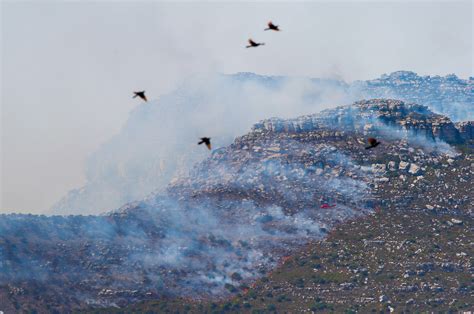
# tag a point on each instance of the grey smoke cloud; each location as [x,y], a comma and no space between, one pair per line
[191,245]
[68,68]
[159,141]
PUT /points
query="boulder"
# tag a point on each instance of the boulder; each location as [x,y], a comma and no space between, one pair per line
[392,166]
[403,165]
[378,168]
[414,169]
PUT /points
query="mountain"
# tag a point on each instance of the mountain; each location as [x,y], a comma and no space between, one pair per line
[158,142]
[240,213]
[448,95]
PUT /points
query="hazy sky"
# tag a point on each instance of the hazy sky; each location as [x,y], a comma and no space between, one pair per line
[68,68]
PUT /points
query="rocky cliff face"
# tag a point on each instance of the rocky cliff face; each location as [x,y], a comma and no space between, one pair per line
[236,215]
[363,116]
[466,130]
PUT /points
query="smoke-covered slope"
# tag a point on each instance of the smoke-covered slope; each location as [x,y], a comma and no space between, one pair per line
[232,219]
[158,142]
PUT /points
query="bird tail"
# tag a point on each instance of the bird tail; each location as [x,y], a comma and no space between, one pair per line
[266,29]
[249,46]
[135,96]
[369,147]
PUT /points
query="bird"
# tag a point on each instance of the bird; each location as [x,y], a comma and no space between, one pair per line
[272,27]
[372,143]
[207,141]
[254,44]
[140,94]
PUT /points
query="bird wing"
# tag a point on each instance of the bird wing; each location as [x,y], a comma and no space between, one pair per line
[251,42]
[270,24]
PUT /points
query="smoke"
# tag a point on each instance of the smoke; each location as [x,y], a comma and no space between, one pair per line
[158,143]
[221,227]
[216,229]
[412,138]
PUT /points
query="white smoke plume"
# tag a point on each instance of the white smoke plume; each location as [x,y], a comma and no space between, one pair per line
[159,140]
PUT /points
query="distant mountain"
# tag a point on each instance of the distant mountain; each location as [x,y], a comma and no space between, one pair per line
[239,212]
[448,95]
[158,142]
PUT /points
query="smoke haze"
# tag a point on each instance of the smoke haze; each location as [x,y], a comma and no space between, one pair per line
[69,69]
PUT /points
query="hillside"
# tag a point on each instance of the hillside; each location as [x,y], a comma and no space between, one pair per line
[158,142]
[275,192]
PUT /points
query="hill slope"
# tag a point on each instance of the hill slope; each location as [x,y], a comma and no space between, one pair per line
[239,213]
[158,142]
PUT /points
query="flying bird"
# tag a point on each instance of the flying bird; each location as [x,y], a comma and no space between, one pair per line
[140,94]
[272,27]
[372,143]
[254,44]
[207,141]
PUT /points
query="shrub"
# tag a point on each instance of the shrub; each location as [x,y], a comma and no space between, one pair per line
[318,306]
[230,287]
[236,276]
[271,307]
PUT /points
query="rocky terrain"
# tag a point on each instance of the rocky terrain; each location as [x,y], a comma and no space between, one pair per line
[294,216]
[141,160]
[405,261]
[448,95]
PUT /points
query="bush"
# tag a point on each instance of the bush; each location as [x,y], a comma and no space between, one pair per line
[227,306]
[317,266]
[271,307]
[252,294]
[318,280]
[318,306]
[236,276]
[230,287]
[299,283]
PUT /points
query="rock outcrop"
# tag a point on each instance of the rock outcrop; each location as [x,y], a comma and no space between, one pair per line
[366,115]
[448,95]
[466,130]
